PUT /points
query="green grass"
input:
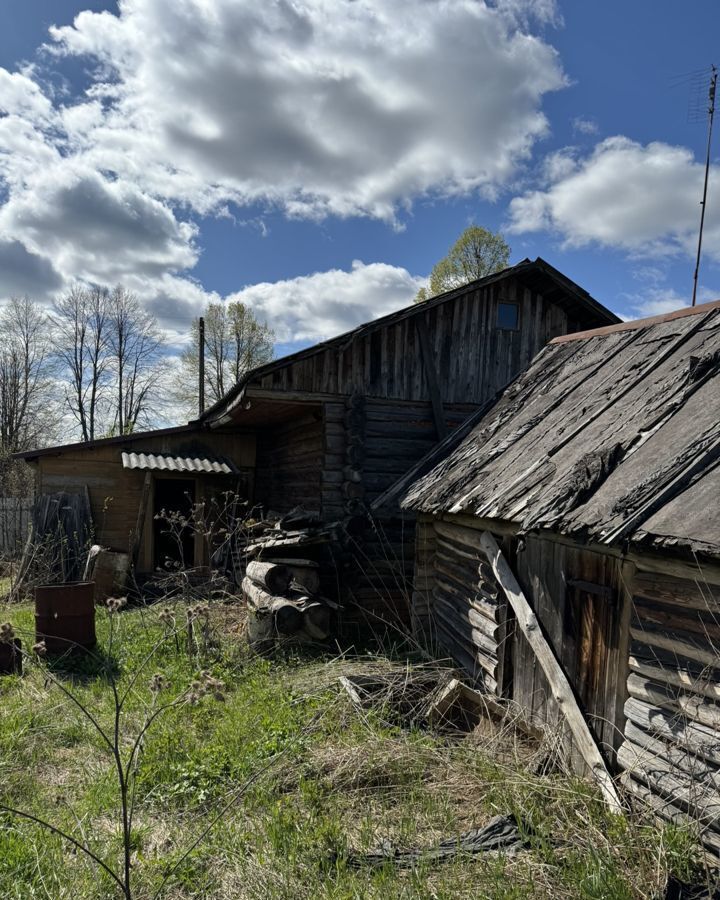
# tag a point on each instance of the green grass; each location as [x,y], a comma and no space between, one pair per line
[304,778]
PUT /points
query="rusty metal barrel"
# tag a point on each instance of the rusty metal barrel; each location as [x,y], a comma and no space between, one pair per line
[65,616]
[11,658]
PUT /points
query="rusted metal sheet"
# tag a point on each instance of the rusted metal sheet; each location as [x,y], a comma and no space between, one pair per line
[166,463]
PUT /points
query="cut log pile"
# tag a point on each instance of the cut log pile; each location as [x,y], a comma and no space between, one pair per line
[284,603]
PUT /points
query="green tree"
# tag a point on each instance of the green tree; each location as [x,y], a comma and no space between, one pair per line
[475,254]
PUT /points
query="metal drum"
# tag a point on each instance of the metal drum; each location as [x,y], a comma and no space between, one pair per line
[65,616]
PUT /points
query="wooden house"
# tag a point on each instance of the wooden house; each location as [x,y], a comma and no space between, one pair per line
[568,552]
[333,426]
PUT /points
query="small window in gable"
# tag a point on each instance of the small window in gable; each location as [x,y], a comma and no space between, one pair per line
[508,315]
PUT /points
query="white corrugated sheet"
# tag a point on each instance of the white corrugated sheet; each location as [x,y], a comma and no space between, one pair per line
[166,463]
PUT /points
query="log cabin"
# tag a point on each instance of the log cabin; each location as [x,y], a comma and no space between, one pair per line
[331,427]
[568,553]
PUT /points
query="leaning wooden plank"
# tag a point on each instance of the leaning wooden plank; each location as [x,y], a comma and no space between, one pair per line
[562,691]
[136,538]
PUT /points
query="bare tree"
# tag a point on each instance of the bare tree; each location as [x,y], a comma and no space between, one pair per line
[26,386]
[235,342]
[110,350]
[81,323]
[135,346]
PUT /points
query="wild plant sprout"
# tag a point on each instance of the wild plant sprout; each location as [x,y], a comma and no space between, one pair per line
[126,752]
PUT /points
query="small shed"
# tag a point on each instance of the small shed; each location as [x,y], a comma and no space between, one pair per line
[591,492]
[132,480]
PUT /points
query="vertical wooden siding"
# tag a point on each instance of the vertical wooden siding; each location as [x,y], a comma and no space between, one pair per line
[577,597]
[473,357]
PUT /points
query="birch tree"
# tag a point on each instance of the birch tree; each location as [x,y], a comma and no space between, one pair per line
[135,349]
[110,352]
[235,342]
[80,321]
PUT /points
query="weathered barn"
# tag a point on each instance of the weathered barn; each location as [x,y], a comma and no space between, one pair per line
[332,426]
[587,500]
[339,422]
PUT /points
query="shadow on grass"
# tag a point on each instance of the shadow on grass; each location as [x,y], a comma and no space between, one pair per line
[86,665]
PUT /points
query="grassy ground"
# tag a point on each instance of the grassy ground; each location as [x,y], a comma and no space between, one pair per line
[303,777]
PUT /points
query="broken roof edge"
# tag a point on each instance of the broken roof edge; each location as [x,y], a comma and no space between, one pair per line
[636,324]
[226,403]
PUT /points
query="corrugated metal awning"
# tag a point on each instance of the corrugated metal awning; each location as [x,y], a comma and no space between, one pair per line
[165,463]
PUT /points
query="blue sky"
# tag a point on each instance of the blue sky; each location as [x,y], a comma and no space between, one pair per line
[315,158]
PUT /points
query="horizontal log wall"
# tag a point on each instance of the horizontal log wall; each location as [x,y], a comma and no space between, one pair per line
[457,603]
[671,753]
[289,468]
[473,356]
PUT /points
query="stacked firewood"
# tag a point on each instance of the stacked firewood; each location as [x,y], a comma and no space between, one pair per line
[284,603]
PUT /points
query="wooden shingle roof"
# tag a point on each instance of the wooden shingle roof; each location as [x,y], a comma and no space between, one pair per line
[610,435]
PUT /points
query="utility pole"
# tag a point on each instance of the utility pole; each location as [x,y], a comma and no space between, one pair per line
[201,365]
[711,115]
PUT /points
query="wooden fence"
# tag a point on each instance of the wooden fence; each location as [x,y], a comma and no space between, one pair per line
[15,516]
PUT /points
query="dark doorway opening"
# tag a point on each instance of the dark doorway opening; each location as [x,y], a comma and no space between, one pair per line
[173,542]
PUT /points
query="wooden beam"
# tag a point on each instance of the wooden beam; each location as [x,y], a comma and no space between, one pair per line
[431,375]
[528,623]
[136,537]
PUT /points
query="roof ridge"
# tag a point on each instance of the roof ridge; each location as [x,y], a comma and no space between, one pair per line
[634,324]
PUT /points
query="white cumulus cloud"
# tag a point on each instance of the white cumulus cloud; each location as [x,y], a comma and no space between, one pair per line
[321,106]
[640,198]
[319,306]
[313,107]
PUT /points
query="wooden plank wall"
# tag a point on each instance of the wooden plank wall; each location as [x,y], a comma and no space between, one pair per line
[671,752]
[289,467]
[115,492]
[474,357]
[584,627]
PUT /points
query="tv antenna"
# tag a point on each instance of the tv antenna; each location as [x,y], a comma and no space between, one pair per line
[703,202]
